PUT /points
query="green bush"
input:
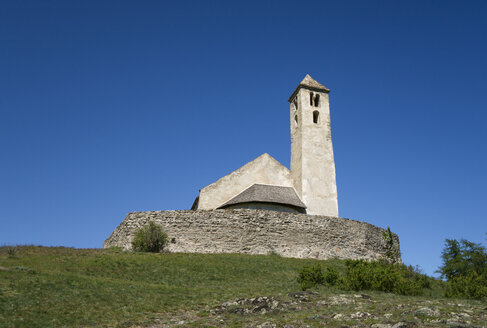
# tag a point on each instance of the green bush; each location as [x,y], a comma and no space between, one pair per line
[384,276]
[357,276]
[150,238]
[331,276]
[423,280]
[362,275]
[471,285]
[310,277]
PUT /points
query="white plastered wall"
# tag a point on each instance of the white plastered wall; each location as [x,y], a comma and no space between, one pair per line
[312,161]
[262,170]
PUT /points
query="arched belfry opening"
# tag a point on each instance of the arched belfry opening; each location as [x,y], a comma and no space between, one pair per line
[317,100]
[311,98]
[316,117]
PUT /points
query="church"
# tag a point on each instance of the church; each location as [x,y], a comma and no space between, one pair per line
[265,208]
[308,187]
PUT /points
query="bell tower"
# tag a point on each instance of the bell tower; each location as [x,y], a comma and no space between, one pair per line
[312,162]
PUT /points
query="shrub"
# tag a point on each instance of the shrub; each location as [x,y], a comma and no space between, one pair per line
[150,238]
[357,276]
[423,280]
[362,275]
[471,285]
[331,276]
[310,277]
[384,276]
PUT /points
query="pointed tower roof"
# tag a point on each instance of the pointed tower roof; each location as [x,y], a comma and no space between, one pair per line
[309,83]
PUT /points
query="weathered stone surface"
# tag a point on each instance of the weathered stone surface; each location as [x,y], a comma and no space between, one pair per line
[256,305]
[403,325]
[258,232]
[323,308]
[427,312]
[381,325]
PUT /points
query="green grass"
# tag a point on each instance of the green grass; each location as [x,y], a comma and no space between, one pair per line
[65,287]
[78,287]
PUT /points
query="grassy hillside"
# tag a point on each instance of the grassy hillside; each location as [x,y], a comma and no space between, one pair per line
[53,287]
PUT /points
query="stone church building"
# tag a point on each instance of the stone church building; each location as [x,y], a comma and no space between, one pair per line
[264,208]
[308,187]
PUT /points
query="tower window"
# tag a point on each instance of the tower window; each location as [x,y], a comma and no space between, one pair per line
[296,119]
[316,117]
[295,102]
[317,100]
[311,98]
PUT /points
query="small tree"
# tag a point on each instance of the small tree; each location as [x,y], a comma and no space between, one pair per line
[150,238]
[462,257]
[465,268]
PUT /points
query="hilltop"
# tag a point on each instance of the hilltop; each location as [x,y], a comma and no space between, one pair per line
[57,286]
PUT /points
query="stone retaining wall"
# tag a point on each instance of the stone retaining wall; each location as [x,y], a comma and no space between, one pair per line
[259,232]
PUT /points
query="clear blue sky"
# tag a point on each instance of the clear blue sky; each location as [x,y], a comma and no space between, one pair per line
[108,107]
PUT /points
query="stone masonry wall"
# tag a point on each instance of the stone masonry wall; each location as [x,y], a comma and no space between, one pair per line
[258,232]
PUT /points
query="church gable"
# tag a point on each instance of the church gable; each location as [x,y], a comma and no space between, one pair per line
[262,170]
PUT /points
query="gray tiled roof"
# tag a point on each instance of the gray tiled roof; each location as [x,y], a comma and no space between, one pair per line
[267,194]
[309,83]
